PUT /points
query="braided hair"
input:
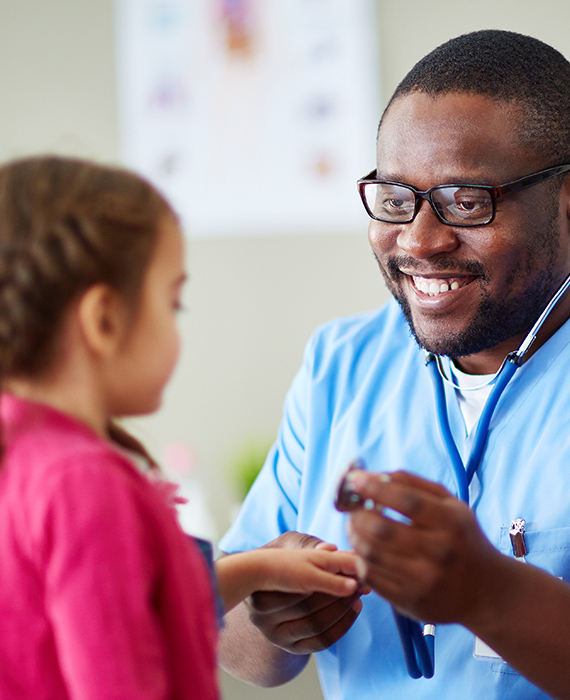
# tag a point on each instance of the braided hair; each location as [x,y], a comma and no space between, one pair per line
[66,224]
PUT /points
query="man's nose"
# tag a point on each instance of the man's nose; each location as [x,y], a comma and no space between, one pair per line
[426,235]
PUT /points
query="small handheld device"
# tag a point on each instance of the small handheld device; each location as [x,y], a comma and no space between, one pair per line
[346,497]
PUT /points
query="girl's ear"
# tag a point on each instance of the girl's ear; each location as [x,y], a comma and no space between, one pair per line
[102,318]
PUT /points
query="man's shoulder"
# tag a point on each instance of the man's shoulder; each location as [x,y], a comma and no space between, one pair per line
[385,326]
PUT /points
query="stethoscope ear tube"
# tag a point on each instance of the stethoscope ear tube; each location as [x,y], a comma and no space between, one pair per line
[407,638]
[424,646]
[530,338]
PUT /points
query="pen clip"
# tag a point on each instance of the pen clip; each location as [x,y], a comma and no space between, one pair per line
[516,533]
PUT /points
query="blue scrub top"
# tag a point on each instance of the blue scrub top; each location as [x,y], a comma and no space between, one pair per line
[364,391]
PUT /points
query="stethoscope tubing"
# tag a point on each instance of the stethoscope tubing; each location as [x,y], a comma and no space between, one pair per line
[503,378]
[445,429]
[419,648]
[464,472]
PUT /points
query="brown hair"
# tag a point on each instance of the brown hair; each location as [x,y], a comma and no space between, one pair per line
[66,224]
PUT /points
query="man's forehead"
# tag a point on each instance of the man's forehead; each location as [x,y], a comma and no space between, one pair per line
[454,110]
[453,133]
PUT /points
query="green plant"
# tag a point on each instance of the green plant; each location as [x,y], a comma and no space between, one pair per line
[246,463]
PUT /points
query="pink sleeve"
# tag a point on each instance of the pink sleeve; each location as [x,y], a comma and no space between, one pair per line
[101,558]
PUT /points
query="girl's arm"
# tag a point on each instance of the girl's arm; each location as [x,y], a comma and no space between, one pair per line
[288,570]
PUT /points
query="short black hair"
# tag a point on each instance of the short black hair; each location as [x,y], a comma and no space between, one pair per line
[507,67]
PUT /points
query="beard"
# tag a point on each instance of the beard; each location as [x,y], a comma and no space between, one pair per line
[494,322]
[496,319]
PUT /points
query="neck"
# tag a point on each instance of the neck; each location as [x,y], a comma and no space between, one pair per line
[489,361]
[75,397]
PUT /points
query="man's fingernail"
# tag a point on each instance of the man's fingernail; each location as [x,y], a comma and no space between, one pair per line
[361,568]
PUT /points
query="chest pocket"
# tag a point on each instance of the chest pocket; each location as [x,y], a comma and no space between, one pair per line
[547,549]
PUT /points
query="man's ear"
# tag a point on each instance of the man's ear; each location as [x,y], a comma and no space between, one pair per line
[102,319]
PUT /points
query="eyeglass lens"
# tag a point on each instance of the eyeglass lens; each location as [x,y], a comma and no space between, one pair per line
[455,205]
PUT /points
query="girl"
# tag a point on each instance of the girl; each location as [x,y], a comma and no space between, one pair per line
[101,594]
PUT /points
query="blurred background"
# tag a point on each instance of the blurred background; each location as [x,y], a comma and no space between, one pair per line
[257,289]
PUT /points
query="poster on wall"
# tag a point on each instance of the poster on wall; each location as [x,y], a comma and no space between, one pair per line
[254,117]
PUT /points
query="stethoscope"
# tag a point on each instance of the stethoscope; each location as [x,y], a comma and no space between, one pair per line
[418,643]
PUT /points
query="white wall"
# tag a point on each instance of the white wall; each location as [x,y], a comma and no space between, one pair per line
[252,302]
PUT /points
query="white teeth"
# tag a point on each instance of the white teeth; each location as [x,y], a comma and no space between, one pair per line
[434,288]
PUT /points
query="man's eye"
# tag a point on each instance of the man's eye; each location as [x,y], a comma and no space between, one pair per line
[394,204]
[469,204]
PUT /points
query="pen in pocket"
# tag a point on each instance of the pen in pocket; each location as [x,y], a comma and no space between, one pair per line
[518,544]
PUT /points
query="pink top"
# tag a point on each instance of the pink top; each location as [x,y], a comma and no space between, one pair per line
[102,595]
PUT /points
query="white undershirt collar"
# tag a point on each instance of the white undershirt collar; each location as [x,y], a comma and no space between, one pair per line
[471,401]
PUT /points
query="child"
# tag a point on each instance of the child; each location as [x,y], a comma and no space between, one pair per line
[101,594]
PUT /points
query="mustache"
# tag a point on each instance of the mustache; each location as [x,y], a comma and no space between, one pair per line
[446,264]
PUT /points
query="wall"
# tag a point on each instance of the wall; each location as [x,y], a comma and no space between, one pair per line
[251,302]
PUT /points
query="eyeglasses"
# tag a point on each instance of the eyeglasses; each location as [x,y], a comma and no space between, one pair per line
[455,205]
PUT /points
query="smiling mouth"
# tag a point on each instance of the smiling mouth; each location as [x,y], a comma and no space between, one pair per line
[434,286]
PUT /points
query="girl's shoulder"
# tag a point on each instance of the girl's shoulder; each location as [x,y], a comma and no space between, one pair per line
[63,488]
[49,455]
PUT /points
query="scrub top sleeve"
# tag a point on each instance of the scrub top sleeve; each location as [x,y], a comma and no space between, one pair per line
[101,563]
[271,507]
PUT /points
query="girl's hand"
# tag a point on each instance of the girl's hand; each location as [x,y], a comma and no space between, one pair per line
[322,570]
[285,572]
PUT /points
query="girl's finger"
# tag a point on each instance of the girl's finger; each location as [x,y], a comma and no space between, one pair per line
[336,562]
[328,546]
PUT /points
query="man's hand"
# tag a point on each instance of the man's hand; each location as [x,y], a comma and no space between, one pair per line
[436,565]
[302,624]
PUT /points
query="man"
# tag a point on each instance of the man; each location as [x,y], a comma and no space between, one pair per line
[471,266]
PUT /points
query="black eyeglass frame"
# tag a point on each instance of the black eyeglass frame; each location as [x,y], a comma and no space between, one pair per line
[494,191]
